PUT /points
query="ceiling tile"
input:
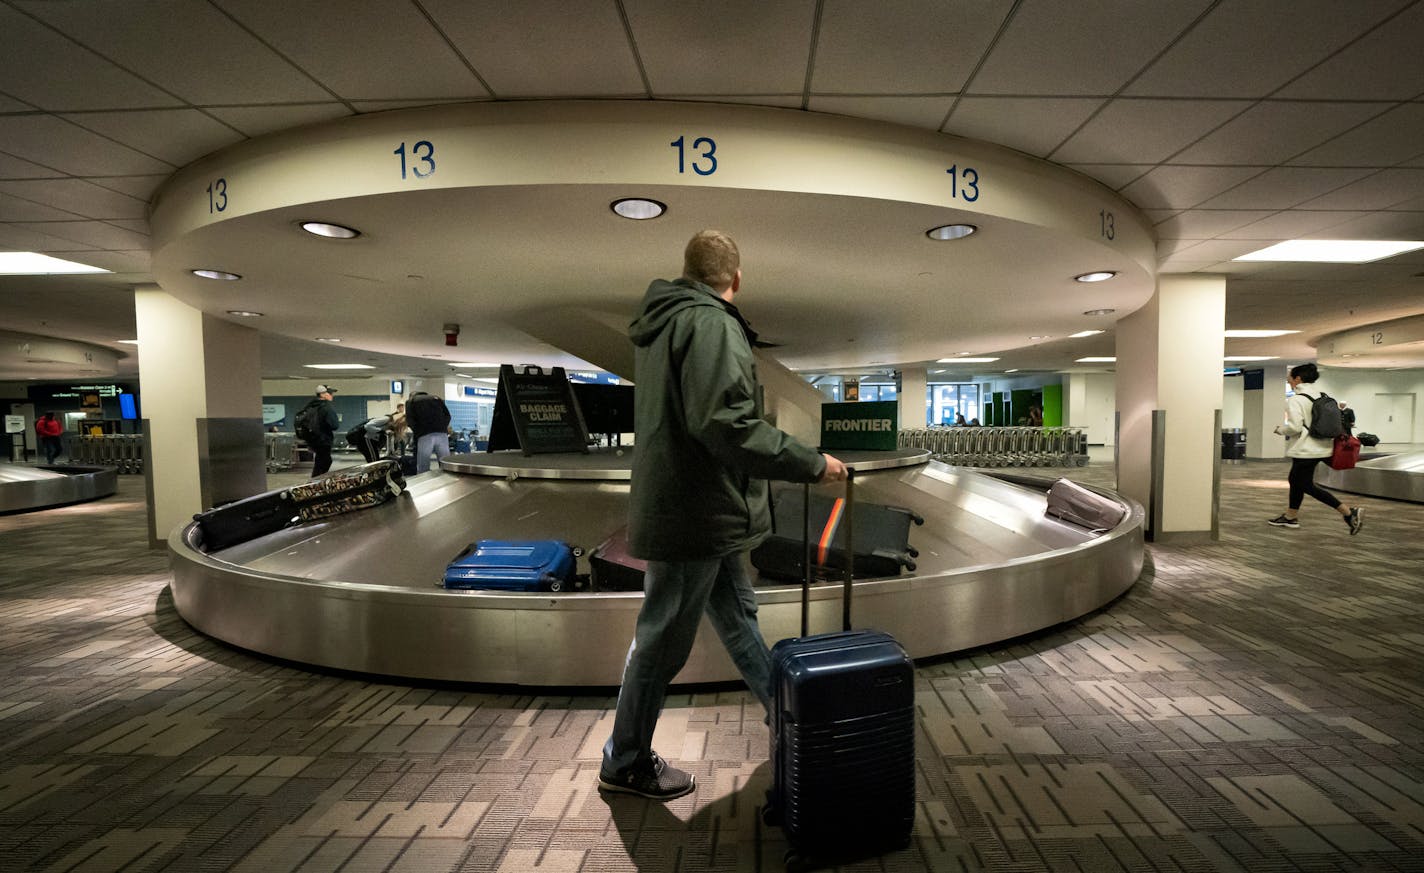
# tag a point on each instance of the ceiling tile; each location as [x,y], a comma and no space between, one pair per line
[33,53]
[1381,225]
[543,48]
[731,47]
[178,136]
[1272,131]
[14,168]
[1158,216]
[1249,49]
[1291,224]
[257,120]
[1179,187]
[23,209]
[384,105]
[22,239]
[1387,64]
[1383,190]
[925,112]
[787,101]
[1207,223]
[902,46]
[90,233]
[1284,188]
[204,57]
[10,104]
[119,262]
[1145,131]
[1058,48]
[78,197]
[1036,125]
[1115,176]
[1383,141]
[137,225]
[141,187]
[368,51]
[1210,250]
[57,143]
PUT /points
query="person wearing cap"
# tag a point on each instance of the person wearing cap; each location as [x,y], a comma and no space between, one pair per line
[321,428]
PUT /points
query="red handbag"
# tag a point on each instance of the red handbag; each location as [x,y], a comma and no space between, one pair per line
[1346,453]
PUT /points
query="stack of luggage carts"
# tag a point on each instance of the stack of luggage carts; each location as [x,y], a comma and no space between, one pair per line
[1001,446]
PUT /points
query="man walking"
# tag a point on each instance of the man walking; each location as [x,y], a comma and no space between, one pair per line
[698,500]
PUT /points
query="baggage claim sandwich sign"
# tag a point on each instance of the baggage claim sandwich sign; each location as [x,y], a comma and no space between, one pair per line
[872,425]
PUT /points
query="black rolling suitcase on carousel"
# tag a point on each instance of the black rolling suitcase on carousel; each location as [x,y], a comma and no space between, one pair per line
[332,494]
[842,737]
[881,542]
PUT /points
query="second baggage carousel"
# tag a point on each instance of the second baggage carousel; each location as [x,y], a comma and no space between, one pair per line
[361,592]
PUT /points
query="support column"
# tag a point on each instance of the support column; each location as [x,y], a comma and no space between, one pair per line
[1169,357]
[1263,398]
[911,394]
[201,389]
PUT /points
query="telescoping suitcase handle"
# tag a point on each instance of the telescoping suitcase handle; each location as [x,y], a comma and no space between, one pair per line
[848,513]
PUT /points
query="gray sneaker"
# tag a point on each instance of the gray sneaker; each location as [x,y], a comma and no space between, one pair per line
[1356,520]
[654,779]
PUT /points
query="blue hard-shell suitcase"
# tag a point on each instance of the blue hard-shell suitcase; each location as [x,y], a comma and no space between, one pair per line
[504,565]
[842,740]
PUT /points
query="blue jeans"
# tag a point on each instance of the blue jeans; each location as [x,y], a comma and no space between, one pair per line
[675,595]
[439,443]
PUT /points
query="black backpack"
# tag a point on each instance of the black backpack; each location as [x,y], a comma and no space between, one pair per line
[1326,422]
[308,422]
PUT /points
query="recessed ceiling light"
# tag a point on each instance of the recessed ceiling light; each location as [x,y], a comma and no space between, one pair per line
[332,231]
[129,342]
[429,355]
[1096,360]
[468,364]
[339,366]
[328,339]
[1099,276]
[1082,333]
[244,313]
[966,360]
[950,231]
[1333,251]
[1013,370]
[1249,358]
[216,274]
[1039,337]
[638,208]
[1257,334]
[36,264]
[1100,312]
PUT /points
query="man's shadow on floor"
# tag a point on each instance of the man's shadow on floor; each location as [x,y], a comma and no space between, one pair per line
[657,838]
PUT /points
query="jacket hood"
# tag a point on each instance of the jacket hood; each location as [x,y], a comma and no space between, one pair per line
[665,299]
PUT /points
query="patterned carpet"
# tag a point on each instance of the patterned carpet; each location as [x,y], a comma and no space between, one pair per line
[1251,705]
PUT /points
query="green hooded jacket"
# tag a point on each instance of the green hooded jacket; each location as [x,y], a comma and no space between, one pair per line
[703,452]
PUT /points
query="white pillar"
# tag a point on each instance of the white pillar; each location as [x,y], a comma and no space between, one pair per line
[1169,358]
[1263,400]
[911,394]
[201,391]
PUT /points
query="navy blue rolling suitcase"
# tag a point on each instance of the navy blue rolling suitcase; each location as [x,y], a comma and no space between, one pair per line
[506,565]
[842,738]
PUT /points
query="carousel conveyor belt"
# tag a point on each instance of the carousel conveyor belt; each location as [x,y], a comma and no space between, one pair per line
[1397,477]
[361,591]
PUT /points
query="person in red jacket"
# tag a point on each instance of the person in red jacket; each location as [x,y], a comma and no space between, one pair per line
[49,428]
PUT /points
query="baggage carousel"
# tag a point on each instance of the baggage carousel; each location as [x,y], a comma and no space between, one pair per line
[1397,477]
[25,489]
[361,592]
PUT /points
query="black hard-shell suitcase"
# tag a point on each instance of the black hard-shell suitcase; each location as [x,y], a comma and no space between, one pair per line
[842,737]
[328,495]
[881,540]
[245,519]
